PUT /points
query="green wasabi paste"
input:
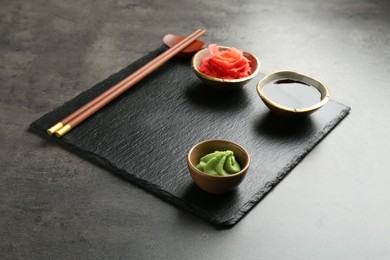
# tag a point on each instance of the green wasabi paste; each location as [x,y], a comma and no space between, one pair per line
[220,163]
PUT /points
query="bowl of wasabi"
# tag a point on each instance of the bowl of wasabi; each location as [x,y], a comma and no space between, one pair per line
[217,166]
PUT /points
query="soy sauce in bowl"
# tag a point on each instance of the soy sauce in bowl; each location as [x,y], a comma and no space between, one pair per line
[292,93]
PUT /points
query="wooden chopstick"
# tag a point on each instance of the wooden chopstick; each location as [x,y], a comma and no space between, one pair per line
[78,116]
[82,109]
[64,122]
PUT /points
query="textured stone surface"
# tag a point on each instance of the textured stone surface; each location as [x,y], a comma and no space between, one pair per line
[145,135]
[53,204]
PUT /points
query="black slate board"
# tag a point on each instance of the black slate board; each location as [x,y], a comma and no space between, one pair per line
[146,133]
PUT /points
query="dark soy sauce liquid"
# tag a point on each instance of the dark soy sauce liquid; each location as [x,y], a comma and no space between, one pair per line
[292,93]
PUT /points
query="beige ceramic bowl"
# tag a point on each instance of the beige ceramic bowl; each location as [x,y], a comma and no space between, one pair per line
[287,111]
[223,84]
[217,184]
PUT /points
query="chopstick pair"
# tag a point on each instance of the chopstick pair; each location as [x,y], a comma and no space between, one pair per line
[81,114]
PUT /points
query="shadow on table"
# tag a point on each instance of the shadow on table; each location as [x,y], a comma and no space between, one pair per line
[216,209]
[201,95]
[272,125]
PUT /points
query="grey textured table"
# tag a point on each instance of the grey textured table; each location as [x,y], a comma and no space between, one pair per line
[54,205]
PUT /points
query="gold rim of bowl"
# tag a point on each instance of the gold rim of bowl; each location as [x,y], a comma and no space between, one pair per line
[246,54]
[288,74]
[243,169]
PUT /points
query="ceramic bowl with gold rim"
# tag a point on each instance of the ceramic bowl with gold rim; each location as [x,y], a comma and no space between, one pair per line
[217,184]
[286,109]
[223,84]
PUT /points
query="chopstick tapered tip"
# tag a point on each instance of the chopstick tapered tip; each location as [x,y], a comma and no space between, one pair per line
[63,130]
[54,128]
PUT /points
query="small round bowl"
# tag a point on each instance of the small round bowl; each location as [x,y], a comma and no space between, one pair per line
[287,111]
[217,184]
[223,84]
